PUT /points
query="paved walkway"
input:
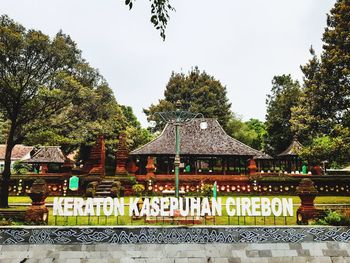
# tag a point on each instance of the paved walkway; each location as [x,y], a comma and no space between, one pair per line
[318,252]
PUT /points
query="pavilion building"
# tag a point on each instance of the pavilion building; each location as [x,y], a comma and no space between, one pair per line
[206,155]
[49,159]
[289,160]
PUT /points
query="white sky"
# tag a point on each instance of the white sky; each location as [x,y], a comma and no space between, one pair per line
[241,43]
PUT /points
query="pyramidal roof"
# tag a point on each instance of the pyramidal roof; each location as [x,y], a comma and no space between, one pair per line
[48,154]
[292,149]
[195,141]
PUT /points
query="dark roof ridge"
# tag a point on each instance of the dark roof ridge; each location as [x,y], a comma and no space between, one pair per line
[212,141]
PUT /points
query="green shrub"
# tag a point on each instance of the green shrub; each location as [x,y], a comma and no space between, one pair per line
[138,189]
[20,168]
[207,190]
[115,190]
[333,218]
[5,222]
[132,180]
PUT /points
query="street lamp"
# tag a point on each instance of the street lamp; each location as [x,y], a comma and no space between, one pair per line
[179,118]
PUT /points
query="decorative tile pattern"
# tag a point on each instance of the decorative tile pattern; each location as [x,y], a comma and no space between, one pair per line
[171,235]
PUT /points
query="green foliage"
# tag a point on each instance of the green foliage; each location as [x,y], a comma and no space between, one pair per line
[259,128]
[324,107]
[91,189]
[334,218]
[20,168]
[281,178]
[36,81]
[115,190]
[52,96]
[159,14]
[3,129]
[198,92]
[6,222]
[207,190]
[136,135]
[251,132]
[284,95]
[335,148]
[138,189]
[54,86]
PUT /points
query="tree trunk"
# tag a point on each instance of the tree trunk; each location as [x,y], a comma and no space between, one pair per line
[5,182]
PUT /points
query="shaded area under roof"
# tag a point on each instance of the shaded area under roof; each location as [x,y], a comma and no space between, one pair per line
[18,152]
[48,154]
[292,149]
[194,141]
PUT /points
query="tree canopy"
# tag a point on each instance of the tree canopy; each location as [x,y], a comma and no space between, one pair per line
[198,92]
[284,95]
[250,132]
[323,111]
[51,95]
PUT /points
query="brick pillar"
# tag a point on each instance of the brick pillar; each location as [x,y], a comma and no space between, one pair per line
[150,167]
[122,155]
[95,164]
[38,213]
[307,210]
[252,167]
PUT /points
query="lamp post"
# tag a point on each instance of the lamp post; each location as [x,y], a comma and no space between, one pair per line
[179,118]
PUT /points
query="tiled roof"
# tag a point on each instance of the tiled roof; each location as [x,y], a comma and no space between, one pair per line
[18,152]
[292,149]
[194,141]
[48,154]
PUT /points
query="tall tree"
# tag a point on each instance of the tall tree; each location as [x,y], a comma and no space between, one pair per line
[284,95]
[35,83]
[335,63]
[326,80]
[304,122]
[198,92]
[324,106]
[50,94]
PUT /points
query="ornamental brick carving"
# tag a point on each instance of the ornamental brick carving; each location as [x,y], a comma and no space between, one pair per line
[132,167]
[95,165]
[38,213]
[307,193]
[252,167]
[150,168]
[122,155]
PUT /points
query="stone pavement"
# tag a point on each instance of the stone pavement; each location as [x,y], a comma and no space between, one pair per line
[318,252]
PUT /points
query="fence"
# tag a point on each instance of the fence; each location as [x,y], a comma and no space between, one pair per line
[160,220]
[189,220]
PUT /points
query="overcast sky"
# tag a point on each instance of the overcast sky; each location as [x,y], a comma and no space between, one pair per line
[241,43]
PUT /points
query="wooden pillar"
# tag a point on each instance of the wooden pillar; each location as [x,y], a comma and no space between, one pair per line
[167,165]
[44,168]
[195,165]
[228,165]
[223,164]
